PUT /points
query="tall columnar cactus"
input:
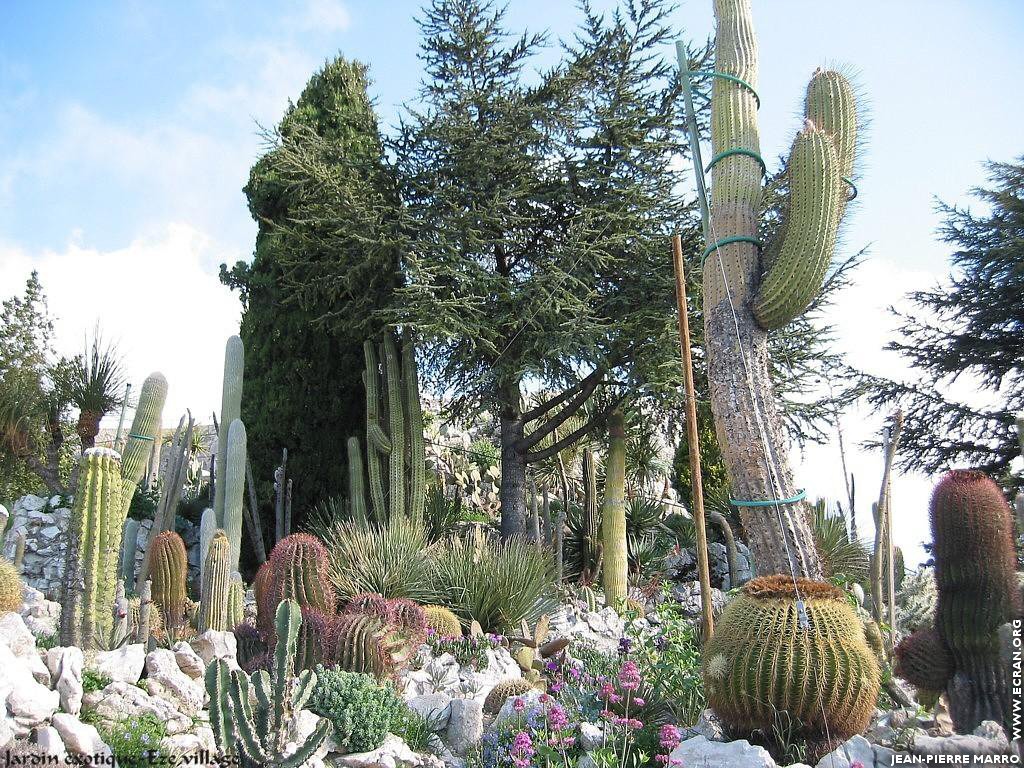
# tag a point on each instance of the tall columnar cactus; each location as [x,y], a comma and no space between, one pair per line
[236,600]
[93,547]
[207,528]
[761,661]
[234,487]
[230,409]
[173,475]
[297,571]
[216,583]
[613,514]
[168,567]
[766,287]
[356,481]
[394,430]
[975,574]
[129,546]
[260,726]
[590,551]
[145,429]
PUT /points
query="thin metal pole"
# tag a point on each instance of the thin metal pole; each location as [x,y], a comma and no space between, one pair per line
[703,572]
[120,421]
[691,124]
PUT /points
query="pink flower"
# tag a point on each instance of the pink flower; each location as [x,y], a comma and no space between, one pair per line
[545,698]
[629,676]
[519,704]
[856,764]
[669,737]
[607,714]
[557,719]
[615,698]
[522,749]
[639,702]
[607,690]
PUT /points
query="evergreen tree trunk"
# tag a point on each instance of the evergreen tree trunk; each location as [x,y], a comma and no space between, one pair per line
[512,493]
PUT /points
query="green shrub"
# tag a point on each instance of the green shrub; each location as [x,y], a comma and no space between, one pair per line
[94,681]
[393,559]
[495,582]
[135,741]
[361,709]
[484,454]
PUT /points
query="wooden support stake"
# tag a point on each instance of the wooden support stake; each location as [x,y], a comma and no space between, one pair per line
[703,572]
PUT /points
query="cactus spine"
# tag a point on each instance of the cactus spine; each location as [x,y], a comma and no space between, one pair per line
[94,542]
[761,662]
[297,571]
[260,726]
[230,409]
[356,482]
[168,566]
[613,513]
[975,574]
[144,431]
[392,395]
[234,487]
[216,583]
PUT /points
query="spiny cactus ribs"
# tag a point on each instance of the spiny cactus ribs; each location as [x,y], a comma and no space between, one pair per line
[296,570]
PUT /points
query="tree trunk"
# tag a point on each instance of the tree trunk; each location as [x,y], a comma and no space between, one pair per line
[512,493]
[613,515]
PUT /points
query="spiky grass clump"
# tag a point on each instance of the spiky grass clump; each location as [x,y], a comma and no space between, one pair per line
[10,587]
[761,662]
[392,559]
[497,583]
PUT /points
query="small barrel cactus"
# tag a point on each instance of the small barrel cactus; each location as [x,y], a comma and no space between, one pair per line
[311,643]
[513,686]
[763,660]
[441,621]
[924,661]
[168,566]
[10,587]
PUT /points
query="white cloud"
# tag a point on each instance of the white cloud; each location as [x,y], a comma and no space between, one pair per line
[154,298]
[326,16]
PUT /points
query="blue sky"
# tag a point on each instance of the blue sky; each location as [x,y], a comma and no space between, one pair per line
[127,130]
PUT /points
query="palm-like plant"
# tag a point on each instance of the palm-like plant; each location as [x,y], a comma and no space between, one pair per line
[842,558]
[93,383]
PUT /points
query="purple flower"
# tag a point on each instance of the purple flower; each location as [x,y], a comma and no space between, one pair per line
[625,645]
[669,737]
[639,702]
[557,687]
[551,666]
[519,704]
[557,719]
[661,642]
[522,749]
[629,676]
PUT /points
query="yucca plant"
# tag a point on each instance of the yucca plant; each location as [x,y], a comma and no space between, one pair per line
[842,558]
[392,558]
[94,383]
[497,583]
[441,514]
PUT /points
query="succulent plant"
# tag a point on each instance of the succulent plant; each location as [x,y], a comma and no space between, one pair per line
[297,571]
[236,600]
[764,660]
[168,567]
[311,643]
[357,482]
[924,661]
[260,726]
[92,551]
[499,694]
[145,429]
[441,621]
[234,487]
[230,409]
[249,642]
[216,583]
[10,587]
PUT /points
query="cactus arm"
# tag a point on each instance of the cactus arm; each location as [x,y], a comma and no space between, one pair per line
[377,442]
[356,481]
[218,681]
[303,689]
[287,622]
[242,717]
[230,409]
[207,528]
[417,490]
[144,430]
[233,486]
[306,750]
[396,426]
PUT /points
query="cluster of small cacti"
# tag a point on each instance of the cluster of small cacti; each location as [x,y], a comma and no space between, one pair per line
[259,726]
[93,547]
[499,694]
[10,587]
[978,593]
[764,659]
[394,434]
[532,649]
[441,621]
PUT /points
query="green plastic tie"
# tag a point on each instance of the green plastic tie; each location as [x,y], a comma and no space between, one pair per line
[141,437]
[727,241]
[738,151]
[730,78]
[800,496]
[853,188]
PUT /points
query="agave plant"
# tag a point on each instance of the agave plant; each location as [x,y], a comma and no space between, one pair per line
[498,583]
[94,383]
[392,559]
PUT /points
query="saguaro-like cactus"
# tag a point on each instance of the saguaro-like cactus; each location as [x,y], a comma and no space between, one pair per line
[977,585]
[761,661]
[91,555]
[145,429]
[260,726]
[234,488]
[168,567]
[613,514]
[297,571]
[216,582]
[750,289]
[230,409]
[394,430]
